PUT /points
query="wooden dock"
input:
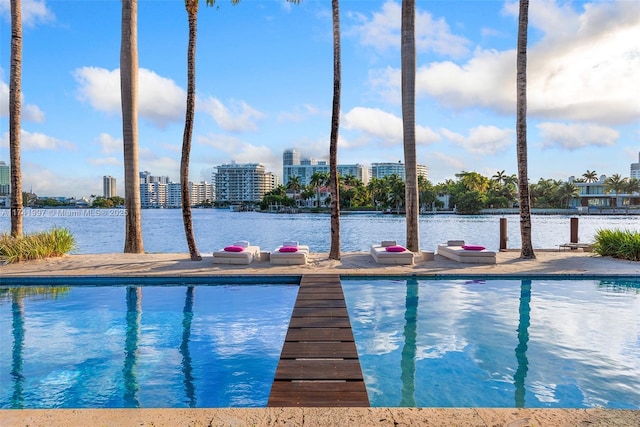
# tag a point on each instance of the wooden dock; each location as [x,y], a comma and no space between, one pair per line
[319,363]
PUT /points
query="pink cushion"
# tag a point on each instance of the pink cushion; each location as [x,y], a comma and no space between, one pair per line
[234,249]
[473,248]
[395,248]
[288,249]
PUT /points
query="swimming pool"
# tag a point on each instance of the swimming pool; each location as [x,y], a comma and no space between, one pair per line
[497,343]
[141,346]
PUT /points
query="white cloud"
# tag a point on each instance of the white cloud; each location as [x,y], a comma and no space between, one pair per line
[28,112]
[110,144]
[300,113]
[160,100]
[33,12]
[37,141]
[484,140]
[575,136]
[105,161]
[585,67]
[239,117]
[384,127]
[382,32]
[231,148]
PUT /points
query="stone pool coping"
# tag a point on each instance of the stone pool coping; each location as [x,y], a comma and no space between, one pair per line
[351,417]
[548,263]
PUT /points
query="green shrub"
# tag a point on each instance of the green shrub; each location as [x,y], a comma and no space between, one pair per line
[623,244]
[55,242]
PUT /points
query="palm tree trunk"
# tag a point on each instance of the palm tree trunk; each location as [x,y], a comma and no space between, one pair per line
[14,117]
[192,11]
[408,57]
[129,101]
[521,132]
[334,252]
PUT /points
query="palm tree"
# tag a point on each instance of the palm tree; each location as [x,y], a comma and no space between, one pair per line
[129,101]
[500,177]
[318,179]
[15,84]
[294,185]
[408,59]
[590,176]
[185,197]
[334,251]
[569,191]
[616,184]
[526,251]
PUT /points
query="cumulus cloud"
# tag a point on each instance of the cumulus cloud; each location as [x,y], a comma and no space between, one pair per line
[37,141]
[231,148]
[110,144]
[34,12]
[584,67]
[482,139]
[28,112]
[384,127]
[160,100]
[239,117]
[105,161]
[381,31]
[300,113]
[575,136]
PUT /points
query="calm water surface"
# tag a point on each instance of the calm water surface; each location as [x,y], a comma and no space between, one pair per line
[129,346]
[102,231]
[498,343]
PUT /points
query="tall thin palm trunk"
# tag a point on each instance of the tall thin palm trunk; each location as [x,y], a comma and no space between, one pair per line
[15,84]
[408,57]
[521,132]
[129,101]
[334,252]
[192,11]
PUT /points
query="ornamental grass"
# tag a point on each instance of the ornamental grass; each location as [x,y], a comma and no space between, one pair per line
[53,243]
[623,244]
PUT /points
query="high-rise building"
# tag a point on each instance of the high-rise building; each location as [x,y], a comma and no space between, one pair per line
[109,187]
[380,170]
[291,157]
[5,178]
[634,170]
[240,183]
[304,168]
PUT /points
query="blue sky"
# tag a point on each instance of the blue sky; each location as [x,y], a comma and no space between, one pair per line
[264,84]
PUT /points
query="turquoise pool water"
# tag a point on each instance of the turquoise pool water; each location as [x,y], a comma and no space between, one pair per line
[498,343]
[141,346]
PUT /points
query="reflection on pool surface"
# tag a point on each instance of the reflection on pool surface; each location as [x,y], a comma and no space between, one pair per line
[130,346]
[498,343]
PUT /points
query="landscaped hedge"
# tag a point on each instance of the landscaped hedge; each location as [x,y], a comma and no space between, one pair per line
[623,244]
[55,242]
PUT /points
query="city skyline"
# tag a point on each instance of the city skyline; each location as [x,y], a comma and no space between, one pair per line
[261,91]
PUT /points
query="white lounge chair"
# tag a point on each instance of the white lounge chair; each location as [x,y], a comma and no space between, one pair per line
[238,253]
[289,253]
[458,251]
[388,252]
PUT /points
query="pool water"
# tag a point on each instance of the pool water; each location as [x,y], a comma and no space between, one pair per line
[497,343]
[150,346]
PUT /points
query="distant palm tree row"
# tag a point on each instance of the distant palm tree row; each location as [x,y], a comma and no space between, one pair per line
[469,193]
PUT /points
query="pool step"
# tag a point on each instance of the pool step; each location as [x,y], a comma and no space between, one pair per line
[319,363]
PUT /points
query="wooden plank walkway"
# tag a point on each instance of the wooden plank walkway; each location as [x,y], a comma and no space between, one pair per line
[319,363]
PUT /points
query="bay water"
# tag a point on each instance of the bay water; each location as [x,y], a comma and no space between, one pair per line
[102,230]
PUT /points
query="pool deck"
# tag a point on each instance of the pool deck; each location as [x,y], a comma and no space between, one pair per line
[573,263]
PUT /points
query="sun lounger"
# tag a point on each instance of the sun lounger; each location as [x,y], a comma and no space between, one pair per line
[289,253]
[238,253]
[388,252]
[458,251]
